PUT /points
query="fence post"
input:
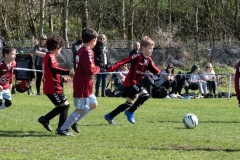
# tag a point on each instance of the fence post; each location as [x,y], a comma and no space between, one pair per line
[229,84]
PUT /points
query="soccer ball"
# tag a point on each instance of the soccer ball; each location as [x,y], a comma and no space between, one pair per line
[190,121]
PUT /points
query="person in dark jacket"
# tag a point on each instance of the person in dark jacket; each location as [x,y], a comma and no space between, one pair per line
[102,59]
[40,51]
[136,48]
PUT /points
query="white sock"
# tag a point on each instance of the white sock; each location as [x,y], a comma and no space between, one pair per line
[3,106]
[85,112]
[72,118]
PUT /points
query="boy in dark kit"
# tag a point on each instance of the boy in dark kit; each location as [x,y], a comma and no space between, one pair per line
[139,64]
[84,99]
[53,83]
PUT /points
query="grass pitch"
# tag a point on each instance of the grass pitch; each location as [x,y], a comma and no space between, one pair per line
[157,134]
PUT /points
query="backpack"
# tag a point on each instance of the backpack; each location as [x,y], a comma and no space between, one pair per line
[160,92]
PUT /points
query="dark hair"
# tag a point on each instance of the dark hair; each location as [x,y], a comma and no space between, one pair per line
[170,65]
[7,50]
[55,42]
[88,34]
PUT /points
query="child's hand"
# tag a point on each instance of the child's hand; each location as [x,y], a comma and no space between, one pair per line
[67,79]
[71,74]
[1,88]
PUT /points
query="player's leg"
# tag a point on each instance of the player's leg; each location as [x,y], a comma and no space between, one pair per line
[6,95]
[80,104]
[142,97]
[56,99]
[129,93]
[92,104]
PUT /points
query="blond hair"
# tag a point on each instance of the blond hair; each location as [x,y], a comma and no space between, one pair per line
[146,41]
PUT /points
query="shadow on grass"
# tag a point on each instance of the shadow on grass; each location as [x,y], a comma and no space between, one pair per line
[201,121]
[25,134]
[186,148]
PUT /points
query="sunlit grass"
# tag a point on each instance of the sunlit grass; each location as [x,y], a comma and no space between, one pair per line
[157,134]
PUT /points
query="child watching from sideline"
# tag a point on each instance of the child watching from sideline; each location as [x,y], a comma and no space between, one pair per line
[53,82]
[139,64]
[6,73]
[84,99]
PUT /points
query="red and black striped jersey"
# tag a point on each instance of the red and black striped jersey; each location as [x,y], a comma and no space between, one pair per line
[139,64]
[52,80]
[6,73]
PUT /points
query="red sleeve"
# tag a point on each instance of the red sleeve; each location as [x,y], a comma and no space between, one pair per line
[118,64]
[89,64]
[53,65]
[153,68]
[237,82]
[13,66]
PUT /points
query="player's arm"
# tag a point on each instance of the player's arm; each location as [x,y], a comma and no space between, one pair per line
[153,68]
[57,70]
[118,64]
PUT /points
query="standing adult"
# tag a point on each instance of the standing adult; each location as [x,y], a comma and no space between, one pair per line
[75,47]
[136,48]
[2,43]
[102,59]
[40,51]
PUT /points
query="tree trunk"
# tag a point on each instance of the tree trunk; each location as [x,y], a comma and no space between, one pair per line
[130,20]
[31,21]
[65,22]
[84,14]
[42,4]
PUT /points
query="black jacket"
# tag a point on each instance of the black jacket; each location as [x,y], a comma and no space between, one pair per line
[99,57]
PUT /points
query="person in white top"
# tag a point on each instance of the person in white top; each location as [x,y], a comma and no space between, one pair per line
[209,76]
[197,79]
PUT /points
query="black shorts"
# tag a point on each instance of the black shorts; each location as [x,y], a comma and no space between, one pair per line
[57,99]
[132,91]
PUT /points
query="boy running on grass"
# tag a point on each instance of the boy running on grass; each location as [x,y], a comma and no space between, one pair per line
[53,83]
[84,99]
[6,73]
[139,64]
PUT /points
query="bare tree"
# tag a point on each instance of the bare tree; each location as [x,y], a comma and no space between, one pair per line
[42,12]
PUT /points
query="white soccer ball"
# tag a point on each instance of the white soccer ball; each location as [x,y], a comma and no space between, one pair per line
[190,121]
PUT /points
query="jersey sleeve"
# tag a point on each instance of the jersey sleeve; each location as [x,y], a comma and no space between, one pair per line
[153,68]
[14,64]
[118,64]
[55,68]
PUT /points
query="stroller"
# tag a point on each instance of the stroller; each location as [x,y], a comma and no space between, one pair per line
[23,78]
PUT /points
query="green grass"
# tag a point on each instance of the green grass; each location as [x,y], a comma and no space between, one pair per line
[157,134]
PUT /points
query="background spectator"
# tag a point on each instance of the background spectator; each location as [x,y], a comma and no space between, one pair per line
[75,47]
[209,76]
[167,80]
[102,59]
[136,48]
[197,79]
[2,43]
[40,51]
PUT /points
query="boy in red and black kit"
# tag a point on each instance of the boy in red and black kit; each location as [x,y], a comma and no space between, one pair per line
[84,99]
[139,64]
[53,82]
[6,73]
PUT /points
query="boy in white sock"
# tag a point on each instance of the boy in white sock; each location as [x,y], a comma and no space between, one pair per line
[84,100]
